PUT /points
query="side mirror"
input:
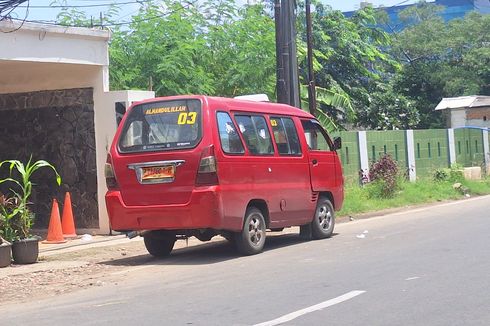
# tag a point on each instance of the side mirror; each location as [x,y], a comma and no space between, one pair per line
[337,143]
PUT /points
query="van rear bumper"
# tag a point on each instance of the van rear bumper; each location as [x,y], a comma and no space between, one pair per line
[204,210]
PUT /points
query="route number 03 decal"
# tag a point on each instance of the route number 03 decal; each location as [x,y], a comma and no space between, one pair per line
[187,118]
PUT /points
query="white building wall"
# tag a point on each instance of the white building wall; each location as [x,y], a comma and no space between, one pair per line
[105,128]
[458,118]
[46,43]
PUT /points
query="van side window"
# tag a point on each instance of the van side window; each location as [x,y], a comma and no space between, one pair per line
[316,137]
[285,136]
[230,140]
[255,133]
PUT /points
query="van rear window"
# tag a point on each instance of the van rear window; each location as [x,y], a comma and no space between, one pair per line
[161,126]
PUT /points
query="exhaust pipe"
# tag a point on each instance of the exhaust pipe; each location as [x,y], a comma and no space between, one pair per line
[134,234]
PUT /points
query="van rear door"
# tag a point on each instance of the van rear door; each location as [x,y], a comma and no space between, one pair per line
[321,156]
[157,159]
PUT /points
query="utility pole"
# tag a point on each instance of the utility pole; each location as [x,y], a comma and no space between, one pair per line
[287,63]
[311,73]
[280,82]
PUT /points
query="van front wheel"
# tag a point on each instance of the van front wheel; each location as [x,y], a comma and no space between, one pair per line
[324,220]
[251,239]
[159,244]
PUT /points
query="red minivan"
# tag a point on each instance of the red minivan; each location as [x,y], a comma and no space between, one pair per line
[202,166]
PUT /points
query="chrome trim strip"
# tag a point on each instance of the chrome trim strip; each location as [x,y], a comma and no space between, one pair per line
[134,166]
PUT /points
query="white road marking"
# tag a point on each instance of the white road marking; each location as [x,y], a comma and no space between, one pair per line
[310,309]
[109,303]
[412,278]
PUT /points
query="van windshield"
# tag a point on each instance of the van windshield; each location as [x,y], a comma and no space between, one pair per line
[161,126]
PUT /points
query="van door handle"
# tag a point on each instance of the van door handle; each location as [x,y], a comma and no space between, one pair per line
[315,162]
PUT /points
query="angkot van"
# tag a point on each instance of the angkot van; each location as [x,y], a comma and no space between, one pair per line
[203,166]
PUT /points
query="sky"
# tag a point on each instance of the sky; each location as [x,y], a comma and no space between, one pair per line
[127,9]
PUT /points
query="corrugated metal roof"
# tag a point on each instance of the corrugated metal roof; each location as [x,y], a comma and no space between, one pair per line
[463,102]
[481,101]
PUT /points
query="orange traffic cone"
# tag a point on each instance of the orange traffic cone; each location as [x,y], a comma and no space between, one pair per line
[55,234]
[67,223]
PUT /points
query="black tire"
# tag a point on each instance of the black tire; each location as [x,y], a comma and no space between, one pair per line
[159,244]
[251,239]
[324,220]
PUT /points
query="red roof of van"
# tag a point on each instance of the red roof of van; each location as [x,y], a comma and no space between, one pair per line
[238,105]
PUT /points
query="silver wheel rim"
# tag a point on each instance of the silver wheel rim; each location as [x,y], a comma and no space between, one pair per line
[255,230]
[324,217]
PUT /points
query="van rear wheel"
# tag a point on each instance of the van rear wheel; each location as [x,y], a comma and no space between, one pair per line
[159,244]
[324,220]
[251,239]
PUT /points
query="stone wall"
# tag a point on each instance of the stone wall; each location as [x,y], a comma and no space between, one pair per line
[57,126]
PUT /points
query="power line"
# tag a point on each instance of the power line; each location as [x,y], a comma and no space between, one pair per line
[113,24]
[13,5]
[88,6]
[7,6]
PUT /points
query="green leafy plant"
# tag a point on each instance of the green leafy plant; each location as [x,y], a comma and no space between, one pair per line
[16,215]
[440,175]
[9,210]
[384,177]
[452,174]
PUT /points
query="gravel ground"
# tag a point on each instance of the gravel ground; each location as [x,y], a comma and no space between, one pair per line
[67,272]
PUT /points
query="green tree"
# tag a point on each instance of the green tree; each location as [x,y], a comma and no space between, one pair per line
[351,59]
[213,47]
[442,59]
[243,52]
[165,44]
[74,16]
[388,110]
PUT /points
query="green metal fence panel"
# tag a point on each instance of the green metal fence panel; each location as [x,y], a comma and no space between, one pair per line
[349,154]
[477,155]
[469,147]
[462,152]
[431,151]
[387,142]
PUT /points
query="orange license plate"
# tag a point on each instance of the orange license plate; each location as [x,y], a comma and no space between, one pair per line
[158,172]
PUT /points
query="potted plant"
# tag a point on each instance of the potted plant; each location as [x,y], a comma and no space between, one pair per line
[25,246]
[9,208]
[5,253]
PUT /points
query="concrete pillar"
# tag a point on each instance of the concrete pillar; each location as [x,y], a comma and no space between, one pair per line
[412,173]
[486,150]
[451,146]
[105,128]
[363,151]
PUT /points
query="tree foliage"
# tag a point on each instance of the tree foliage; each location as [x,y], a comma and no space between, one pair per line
[214,48]
[364,75]
[442,59]
[351,59]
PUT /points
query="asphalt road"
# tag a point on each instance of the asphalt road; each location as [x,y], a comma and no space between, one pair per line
[429,266]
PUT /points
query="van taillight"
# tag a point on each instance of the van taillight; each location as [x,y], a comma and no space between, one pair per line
[207,173]
[110,177]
